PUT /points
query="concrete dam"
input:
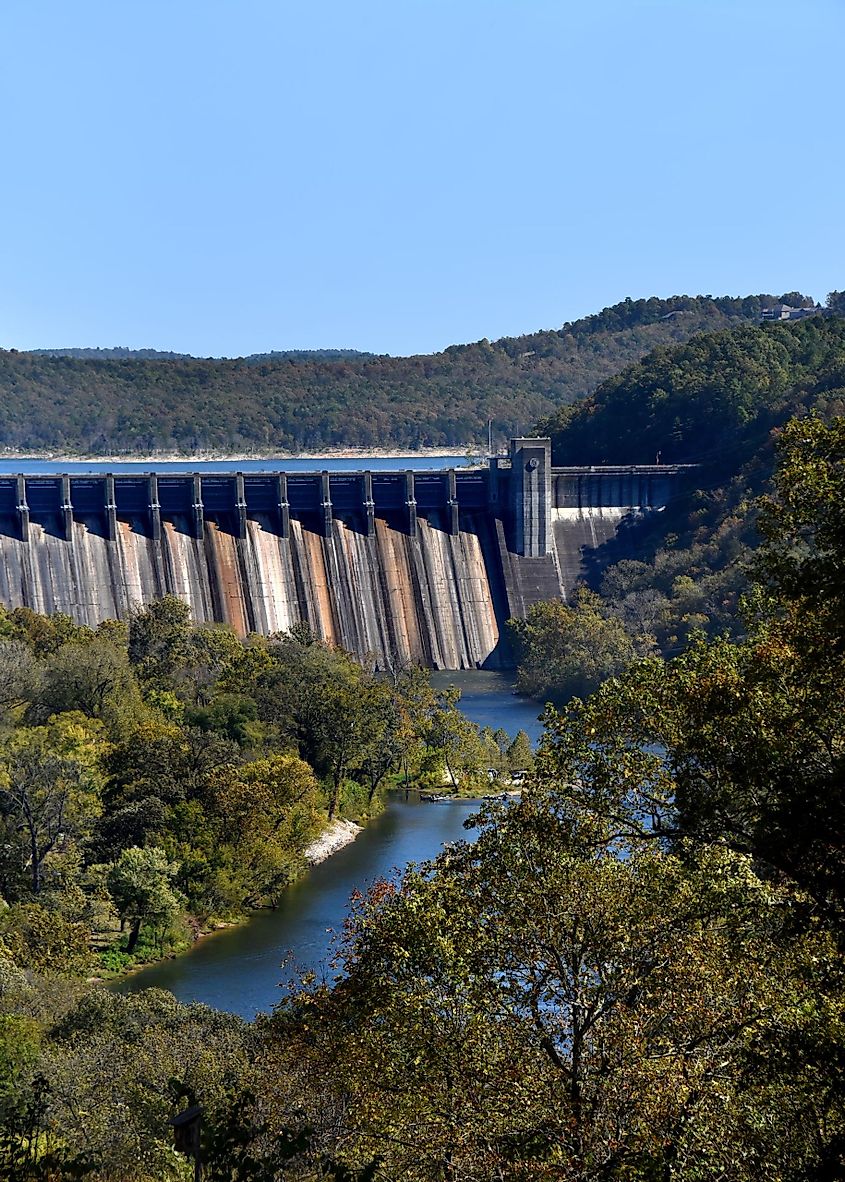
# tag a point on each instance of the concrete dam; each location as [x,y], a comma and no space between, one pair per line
[408,566]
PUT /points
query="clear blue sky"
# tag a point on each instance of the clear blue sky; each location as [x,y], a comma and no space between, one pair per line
[233,176]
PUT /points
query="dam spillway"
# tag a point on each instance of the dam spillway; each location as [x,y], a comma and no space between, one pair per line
[402,566]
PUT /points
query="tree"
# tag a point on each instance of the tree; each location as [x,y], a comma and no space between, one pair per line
[415,702]
[159,639]
[115,1069]
[803,521]
[529,1009]
[566,650]
[140,883]
[50,792]
[520,754]
[85,676]
[268,812]
[45,941]
[453,739]
[494,759]
[211,651]
[384,743]
[44,634]
[19,674]
[635,972]
[795,299]
[324,693]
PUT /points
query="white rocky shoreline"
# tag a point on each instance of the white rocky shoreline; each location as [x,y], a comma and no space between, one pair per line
[170,457]
[333,838]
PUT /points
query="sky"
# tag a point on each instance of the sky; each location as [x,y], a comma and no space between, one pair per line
[223,177]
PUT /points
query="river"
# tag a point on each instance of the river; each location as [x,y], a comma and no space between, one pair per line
[240,968]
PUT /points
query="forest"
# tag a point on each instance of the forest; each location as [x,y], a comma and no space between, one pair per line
[722,400]
[157,777]
[117,404]
[634,973]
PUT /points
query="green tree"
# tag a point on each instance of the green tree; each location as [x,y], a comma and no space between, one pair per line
[140,883]
[565,650]
[159,639]
[384,742]
[520,753]
[45,941]
[19,674]
[210,652]
[51,786]
[636,971]
[453,740]
[44,634]
[85,676]
[268,812]
[493,755]
[116,1068]
[480,1032]
[803,521]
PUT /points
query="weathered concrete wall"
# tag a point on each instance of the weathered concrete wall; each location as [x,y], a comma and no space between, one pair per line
[590,505]
[531,496]
[433,597]
[404,566]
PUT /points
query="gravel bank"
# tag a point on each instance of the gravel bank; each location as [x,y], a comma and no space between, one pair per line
[335,837]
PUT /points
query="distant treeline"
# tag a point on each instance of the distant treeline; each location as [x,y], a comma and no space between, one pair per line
[121,352]
[107,404]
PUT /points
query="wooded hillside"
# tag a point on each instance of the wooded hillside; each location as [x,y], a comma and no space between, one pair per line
[716,397]
[282,403]
[720,400]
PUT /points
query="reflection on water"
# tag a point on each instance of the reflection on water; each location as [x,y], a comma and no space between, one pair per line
[488,699]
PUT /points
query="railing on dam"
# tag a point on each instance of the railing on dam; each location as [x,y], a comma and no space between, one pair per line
[641,486]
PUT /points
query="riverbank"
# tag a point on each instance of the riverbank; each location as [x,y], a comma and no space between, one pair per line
[337,834]
[471,794]
[247,969]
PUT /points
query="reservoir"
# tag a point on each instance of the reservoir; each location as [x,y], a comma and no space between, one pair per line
[241,968]
[416,463]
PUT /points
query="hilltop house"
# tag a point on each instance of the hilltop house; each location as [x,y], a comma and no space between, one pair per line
[785,312]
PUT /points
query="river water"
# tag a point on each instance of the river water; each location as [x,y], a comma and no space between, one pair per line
[240,969]
[417,463]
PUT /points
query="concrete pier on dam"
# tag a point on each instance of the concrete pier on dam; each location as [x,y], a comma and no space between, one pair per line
[409,566]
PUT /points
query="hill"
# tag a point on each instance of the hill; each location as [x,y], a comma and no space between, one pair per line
[720,400]
[289,403]
[714,396]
